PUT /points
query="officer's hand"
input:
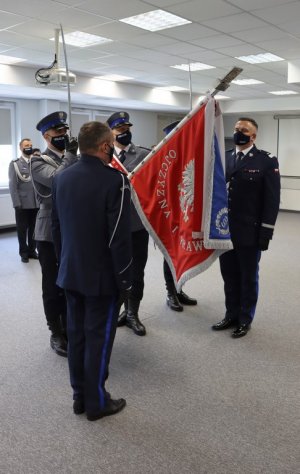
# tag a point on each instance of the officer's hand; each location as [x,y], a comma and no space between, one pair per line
[71,144]
[263,244]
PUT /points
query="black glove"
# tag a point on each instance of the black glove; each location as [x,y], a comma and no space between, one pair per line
[71,144]
[263,244]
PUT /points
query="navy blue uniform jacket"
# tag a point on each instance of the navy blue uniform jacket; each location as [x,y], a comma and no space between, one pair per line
[91,228]
[253,196]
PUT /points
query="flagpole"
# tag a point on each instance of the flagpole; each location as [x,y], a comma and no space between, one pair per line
[222,86]
[68,80]
[190,86]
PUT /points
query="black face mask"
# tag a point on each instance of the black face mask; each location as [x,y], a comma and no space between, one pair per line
[110,153]
[124,138]
[27,151]
[240,138]
[59,142]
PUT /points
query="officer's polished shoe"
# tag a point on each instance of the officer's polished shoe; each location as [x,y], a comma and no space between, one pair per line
[185,299]
[173,302]
[241,330]
[33,255]
[24,259]
[133,322]
[122,318]
[224,324]
[59,344]
[112,407]
[78,407]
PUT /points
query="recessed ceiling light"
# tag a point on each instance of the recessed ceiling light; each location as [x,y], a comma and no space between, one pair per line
[193,67]
[172,88]
[10,59]
[283,92]
[246,82]
[114,77]
[82,40]
[260,58]
[155,20]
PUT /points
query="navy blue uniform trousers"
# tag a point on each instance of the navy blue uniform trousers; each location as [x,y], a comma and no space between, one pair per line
[239,269]
[91,328]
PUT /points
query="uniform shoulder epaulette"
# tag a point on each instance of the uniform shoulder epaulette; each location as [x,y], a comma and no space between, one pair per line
[144,148]
[268,153]
[230,150]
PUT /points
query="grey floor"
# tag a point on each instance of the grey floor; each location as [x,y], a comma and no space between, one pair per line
[198,401]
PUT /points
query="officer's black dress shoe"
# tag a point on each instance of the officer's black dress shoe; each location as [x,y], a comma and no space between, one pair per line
[33,255]
[78,407]
[112,407]
[24,259]
[241,330]
[185,299]
[224,324]
[133,322]
[122,319]
[173,302]
[59,344]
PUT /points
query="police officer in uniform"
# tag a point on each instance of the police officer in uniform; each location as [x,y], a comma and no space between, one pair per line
[175,300]
[24,200]
[253,204]
[131,155]
[43,169]
[92,237]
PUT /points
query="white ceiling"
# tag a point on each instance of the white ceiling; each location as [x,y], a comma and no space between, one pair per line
[220,30]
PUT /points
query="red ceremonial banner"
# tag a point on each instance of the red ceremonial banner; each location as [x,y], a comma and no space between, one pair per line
[168,193]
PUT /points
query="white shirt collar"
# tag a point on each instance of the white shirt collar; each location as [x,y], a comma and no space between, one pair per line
[245,151]
[118,150]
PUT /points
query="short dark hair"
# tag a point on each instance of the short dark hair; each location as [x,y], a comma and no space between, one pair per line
[249,119]
[24,140]
[91,134]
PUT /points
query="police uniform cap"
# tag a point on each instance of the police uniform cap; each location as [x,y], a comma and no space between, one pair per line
[118,119]
[55,120]
[170,127]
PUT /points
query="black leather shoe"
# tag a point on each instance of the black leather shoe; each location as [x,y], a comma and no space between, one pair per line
[133,322]
[59,344]
[33,255]
[24,259]
[112,407]
[241,330]
[78,407]
[224,324]
[173,303]
[122,319]
[183,298]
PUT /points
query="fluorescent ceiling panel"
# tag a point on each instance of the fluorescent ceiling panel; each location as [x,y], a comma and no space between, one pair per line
[260,58]
[155,20]
[283,92]
[172,88]
[10,59]
[246,82]
[193,67]
[82,40]
[114,77]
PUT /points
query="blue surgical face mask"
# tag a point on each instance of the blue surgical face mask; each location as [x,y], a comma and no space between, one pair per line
[59,142]
[124,138]
[240,138]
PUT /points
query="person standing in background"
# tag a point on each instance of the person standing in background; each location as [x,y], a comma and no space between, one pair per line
[43,169]
[24,200]
[130,156]
[253,181]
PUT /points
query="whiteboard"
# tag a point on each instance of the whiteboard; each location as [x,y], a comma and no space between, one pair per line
[289,146]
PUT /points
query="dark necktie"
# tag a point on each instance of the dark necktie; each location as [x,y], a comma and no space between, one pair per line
[238,158]
[122,156]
